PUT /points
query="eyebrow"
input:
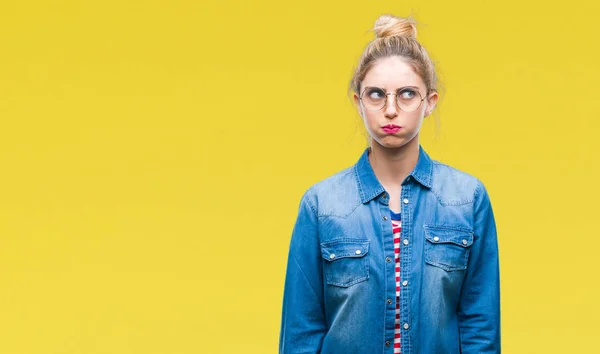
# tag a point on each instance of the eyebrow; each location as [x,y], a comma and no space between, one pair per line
[413,87]
[398,89]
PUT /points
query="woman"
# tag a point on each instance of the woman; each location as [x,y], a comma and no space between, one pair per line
[399,252]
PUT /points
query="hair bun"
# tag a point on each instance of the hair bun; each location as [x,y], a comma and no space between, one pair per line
[390,25]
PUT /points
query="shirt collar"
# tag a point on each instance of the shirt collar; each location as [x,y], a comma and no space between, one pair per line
[369,186]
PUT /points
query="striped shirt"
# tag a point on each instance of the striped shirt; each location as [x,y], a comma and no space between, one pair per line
[396,227]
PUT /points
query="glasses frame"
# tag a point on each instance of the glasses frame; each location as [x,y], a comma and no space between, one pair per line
[391,93]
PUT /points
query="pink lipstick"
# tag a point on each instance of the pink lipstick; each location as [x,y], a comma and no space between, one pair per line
[391,128]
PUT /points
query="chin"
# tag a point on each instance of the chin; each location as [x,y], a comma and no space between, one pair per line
[392,141]
[397,143]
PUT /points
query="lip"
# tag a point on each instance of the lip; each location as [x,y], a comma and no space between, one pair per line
[391,128]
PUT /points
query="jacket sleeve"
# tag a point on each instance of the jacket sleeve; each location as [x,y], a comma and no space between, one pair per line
[303,318]
[479,304]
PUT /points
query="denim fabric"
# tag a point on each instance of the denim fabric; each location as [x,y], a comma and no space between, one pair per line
[340,286]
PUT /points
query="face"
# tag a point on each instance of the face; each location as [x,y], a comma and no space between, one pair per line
[392,74]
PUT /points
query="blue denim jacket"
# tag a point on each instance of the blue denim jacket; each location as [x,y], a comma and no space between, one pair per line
[340,286]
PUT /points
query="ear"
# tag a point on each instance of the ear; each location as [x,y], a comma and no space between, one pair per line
[431,102]
[357,103]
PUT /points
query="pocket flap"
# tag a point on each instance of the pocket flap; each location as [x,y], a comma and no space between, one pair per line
[344,248]
[458,236]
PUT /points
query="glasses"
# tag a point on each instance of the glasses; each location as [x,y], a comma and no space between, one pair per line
[408,99]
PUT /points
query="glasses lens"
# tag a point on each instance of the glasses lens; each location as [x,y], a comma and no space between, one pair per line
[408,99]
[374,98]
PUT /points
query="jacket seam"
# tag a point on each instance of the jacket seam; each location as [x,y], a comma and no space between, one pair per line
[306,278]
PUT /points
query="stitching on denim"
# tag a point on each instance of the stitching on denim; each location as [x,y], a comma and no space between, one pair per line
[448,227]
[452,203]
[346,285]
[437,194]
[341,216]
[444,267]
[320,213]
[382,243]
[328,274]
[407,230]
[310,204]
[447,267]
[452,242]
[374,194]
[305,277]
[358,181]
[346,240]
[341,255]
[477,189]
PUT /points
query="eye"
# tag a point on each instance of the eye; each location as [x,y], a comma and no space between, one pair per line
[407,94]
[375,93]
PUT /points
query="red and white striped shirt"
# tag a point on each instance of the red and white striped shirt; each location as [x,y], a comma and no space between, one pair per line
[397,227]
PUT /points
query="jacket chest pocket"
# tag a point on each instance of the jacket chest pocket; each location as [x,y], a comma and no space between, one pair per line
[447,248]
[346,261]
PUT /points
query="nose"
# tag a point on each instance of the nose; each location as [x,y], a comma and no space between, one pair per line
[391,110]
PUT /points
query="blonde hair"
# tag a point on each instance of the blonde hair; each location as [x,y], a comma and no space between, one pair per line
[396,36]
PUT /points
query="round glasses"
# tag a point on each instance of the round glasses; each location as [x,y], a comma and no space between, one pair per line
[408,99]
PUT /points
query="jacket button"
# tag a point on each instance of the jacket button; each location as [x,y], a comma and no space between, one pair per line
[385,218]
[388,259]
[389,301]
[464,242]
[436,239]
[406,326]
[405,201]
[405,242]
[405,283]
[332,256]
[357,252]
[387,343]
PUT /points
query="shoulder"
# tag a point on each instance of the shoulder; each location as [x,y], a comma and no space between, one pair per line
[453,186]
[335,195]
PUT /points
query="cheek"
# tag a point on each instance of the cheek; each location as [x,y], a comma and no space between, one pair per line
[415,117]
[370,118]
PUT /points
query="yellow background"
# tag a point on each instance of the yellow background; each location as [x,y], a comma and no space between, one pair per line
[153,156]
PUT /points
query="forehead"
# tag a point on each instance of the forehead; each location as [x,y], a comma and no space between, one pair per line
[391,73]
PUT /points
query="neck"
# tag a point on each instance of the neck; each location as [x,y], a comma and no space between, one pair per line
[392,165]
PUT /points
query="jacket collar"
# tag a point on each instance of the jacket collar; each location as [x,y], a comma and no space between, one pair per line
[369,186]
